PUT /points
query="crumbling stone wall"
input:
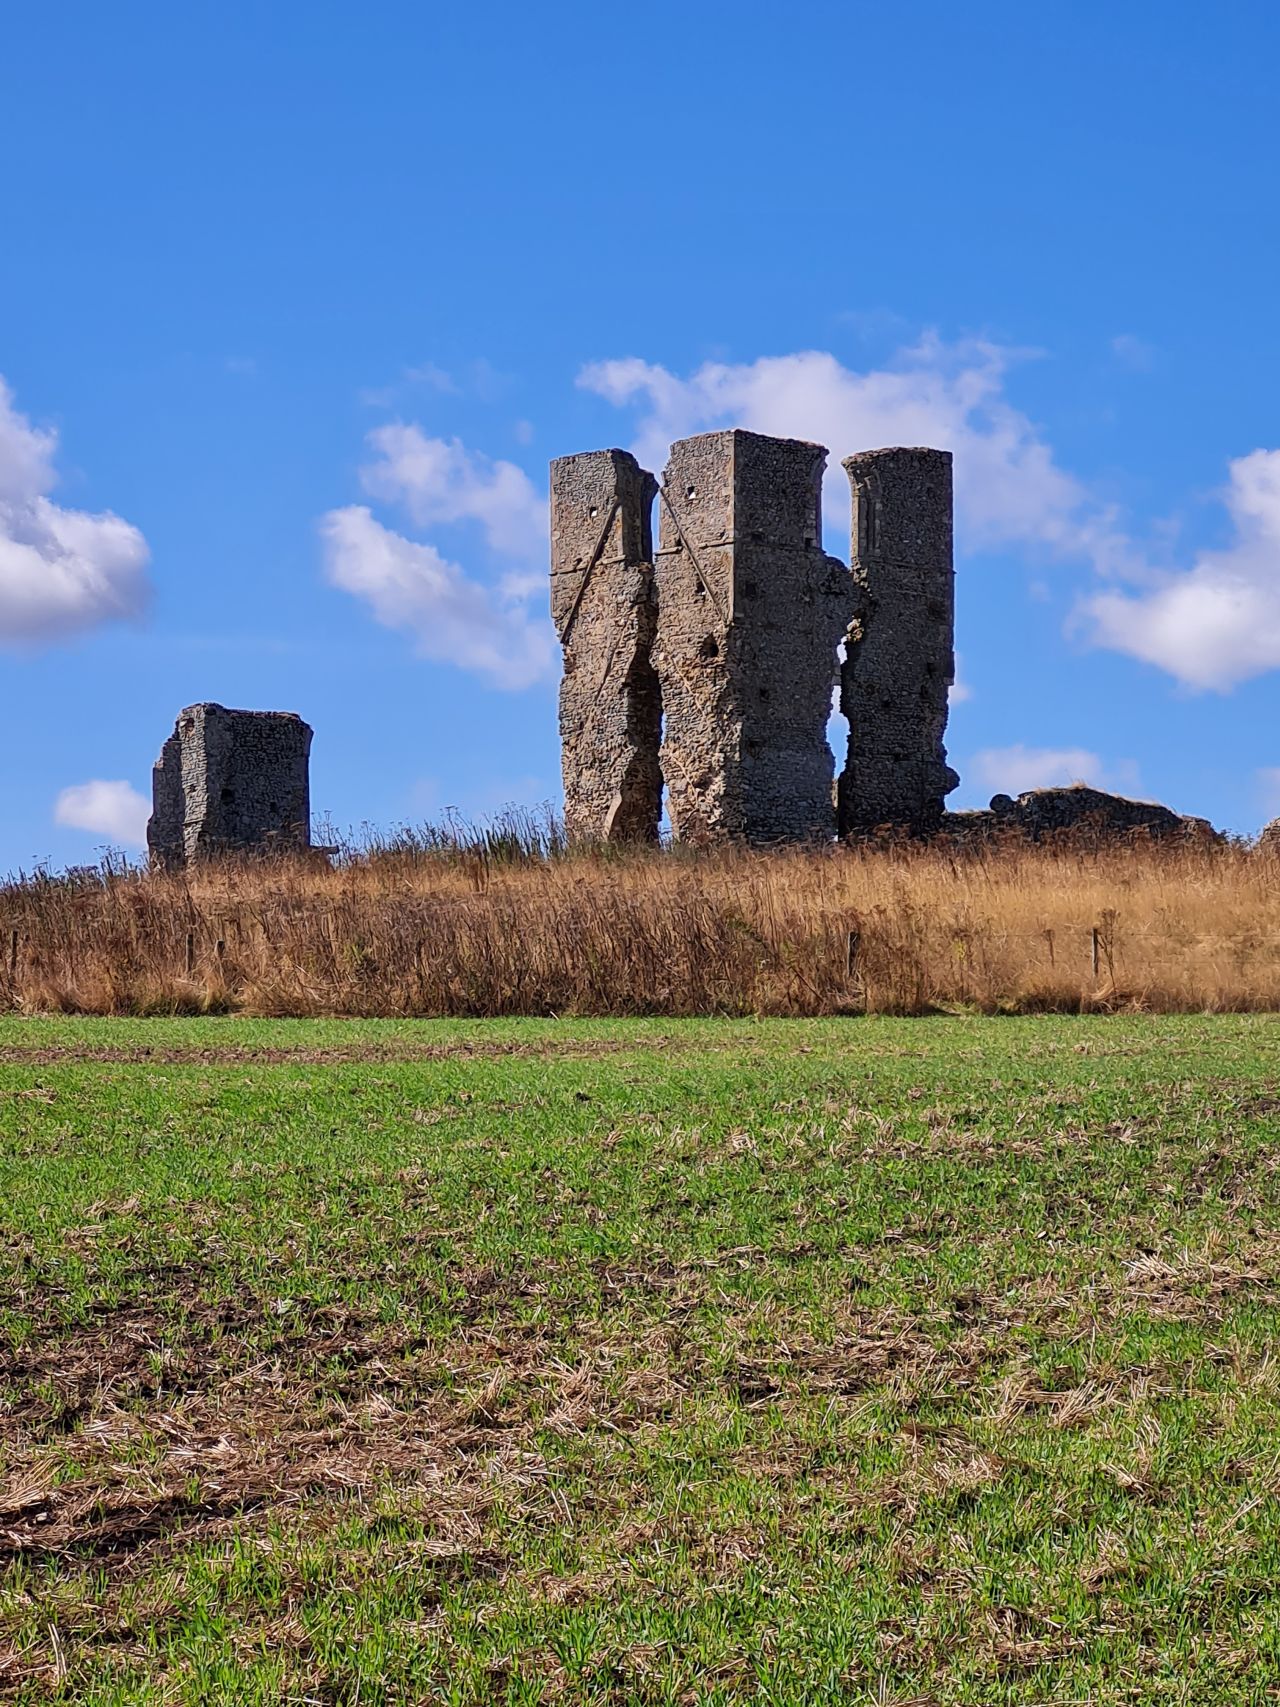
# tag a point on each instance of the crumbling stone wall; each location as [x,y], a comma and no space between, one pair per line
[899,663]
[229,780]
[750,613]
[604,608]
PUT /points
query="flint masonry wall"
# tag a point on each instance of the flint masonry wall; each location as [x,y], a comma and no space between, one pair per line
[604,608]
[230,780]
[750,612]
[899,663]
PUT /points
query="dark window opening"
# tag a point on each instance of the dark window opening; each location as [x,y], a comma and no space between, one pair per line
[709,648]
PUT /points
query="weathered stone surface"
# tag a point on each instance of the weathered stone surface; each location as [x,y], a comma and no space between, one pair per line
[230,780]
[1076,811]
[603,604]
[899,663]
[1269,837]
[750,613]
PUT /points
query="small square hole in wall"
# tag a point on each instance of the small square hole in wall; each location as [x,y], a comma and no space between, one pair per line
[593,511]
[691,491]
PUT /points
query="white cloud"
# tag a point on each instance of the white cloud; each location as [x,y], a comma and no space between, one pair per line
[1011,770]
[1009,487]
[1211,626]
[1217,623]
[427,374]
[440,480]
[452,617]
[111,809]
[61,570]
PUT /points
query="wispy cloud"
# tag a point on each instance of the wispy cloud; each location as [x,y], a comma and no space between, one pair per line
[494,627]
[112,809]
[61,570]
[1011,770]
[453,618]
[440,480]
[1010,488]
[1133,352]
[1209,626]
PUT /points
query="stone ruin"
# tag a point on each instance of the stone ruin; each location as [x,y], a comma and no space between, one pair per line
[711,663]
[230,781]
[1078,811]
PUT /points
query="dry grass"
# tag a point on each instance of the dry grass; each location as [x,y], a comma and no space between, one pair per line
[514,924]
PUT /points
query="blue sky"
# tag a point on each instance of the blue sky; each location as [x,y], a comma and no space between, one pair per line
[297,302]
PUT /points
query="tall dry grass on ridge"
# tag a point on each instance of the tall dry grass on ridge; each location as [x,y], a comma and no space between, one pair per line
[511,923]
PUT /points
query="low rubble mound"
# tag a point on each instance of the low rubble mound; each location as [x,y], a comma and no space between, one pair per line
[1077,810]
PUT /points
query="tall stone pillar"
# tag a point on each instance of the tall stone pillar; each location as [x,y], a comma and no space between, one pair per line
[751,610]
[602,602]
[899,662]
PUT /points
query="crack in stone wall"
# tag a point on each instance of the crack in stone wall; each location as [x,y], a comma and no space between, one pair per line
[230,781]
[603,605]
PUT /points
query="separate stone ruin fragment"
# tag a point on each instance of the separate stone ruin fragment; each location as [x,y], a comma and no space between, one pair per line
[899,664]
[1078,813]
[230,781]
[603,605]
[724,649]
[750,613]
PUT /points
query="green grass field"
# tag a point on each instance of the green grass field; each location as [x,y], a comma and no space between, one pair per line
[659,1362]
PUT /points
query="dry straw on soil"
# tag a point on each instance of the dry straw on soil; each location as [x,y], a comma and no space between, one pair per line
[509,922]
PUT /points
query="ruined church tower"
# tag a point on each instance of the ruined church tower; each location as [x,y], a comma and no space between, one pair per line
[604,608]
[899,663]
[750,612]
[710,667]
